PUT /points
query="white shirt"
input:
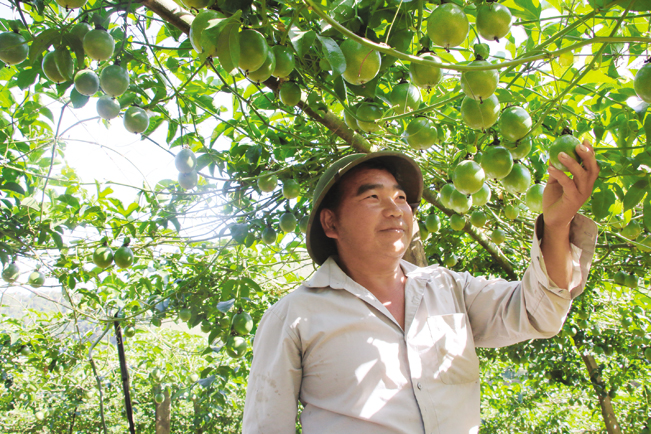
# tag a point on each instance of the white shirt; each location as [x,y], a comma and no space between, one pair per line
[334,346]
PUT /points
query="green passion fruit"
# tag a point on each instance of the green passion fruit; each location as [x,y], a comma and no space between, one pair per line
[103,256]
[450,260]
[519,150]
[269,235]
[114,80]
[87,82]
[511,212]
[185,314]
[302,224]
[236,346]
[71,4]
[290,94]
[460,202]
[136,120]
[425,76]
[285,62]
[515,123]
[421,134]
[433,223]
[36,279]
[79,30]
[291,189]
[498,236]
[480,115]
[518,180]
[99,45]
[482,197]
[457,222]
[185,161]
[493,21]
[107,107]
[497,162]
[478,219]
[253,50]
[267,182]
[287,222]
[349,118]
[13,48]
[479,84]
[405,98]
[123,257]
[265,71]
[362,63]
[468,177]
[189,180]
[242,323]
[11,273]
[199,24]
[367,114]
[566,143]
[56,66]
[642,83]
[445,194]
[448,25]
[534,198]
[198,4]
[129,331]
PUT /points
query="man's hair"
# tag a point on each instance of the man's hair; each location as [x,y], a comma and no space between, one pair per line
[333,198]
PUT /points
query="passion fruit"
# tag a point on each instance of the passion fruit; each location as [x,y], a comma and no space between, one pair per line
[269,235]
[448,25]
[302,224]
[114,80]
[468,177]
[480,115]
[349,118]
[13,48]
[534,198]
[482,197]
[445,195]
[136,120]
[87,82]
[493,21]
[566,143]
[457,222]
[123,257]
[236,346]
[198,4]
[103,256]
[291,189]
[421,134]
[11,273]
[362,63]
[99,45]
[518,180]
[189,180]
[460,202]
[266,70]
[498,236]
[107,107]
[405,98]
[267,182]
[642,83]
[515,123]
[367,114]
[185,161]
[497,162]
[425,76]
[511,212]
[242,323]
[433,223]
[519,150]
[287,222]
[53,69]
[478,219]
[199,24]
[480,84]
[253,50]
[284,61]
[290,94]
[36,279]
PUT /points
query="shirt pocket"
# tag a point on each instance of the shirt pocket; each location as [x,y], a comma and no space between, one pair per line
[455,347]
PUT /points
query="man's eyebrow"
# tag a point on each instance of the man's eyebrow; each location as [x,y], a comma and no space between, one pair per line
[366,187]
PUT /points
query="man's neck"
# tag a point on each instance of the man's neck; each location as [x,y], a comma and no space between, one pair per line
[381,276]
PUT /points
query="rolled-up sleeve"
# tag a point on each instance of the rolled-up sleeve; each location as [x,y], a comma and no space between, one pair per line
[502,313]
[275,379]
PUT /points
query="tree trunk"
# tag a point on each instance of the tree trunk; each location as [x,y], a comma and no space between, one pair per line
[163,413]
[612,426]
[415,252]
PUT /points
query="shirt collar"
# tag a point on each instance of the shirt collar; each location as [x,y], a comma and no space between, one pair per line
[331,275]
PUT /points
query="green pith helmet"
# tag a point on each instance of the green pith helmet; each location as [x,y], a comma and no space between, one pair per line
[408,175]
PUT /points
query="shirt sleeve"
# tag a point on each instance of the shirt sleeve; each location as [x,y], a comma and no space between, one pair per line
[502,313]
[274,380]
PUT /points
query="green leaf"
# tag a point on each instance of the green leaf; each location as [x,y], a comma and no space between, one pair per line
[26,78]
[12,186]
[228,46]
[302,41]
[77,46]
[78,100]
[646,219]
[340,89]
[42,42]
[64,62]
[225,306]
[635,194]
[602,201]
[333,54]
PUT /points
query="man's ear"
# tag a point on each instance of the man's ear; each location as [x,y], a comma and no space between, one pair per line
[328,223]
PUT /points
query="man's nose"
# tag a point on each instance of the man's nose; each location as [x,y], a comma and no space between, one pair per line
[392,209]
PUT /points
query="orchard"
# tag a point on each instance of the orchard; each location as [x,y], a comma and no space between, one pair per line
[483,95]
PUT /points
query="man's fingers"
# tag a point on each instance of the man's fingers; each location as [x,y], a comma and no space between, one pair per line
[586,152]
[569,187]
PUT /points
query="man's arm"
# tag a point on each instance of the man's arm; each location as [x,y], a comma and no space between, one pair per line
[275,379]
[562,199]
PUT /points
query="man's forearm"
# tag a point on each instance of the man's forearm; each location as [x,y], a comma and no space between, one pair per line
[557,254]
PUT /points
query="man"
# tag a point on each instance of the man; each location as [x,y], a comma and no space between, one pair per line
[374,344]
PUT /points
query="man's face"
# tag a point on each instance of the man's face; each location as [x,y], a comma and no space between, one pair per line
[373,217]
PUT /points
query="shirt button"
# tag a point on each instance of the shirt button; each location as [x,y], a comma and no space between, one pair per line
[419,386]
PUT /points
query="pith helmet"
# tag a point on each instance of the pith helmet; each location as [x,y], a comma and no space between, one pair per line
[408,174]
